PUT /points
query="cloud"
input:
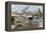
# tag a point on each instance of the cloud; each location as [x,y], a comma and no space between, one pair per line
[33,8]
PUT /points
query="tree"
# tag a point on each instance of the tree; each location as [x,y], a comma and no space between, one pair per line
[39,13]
[23,11]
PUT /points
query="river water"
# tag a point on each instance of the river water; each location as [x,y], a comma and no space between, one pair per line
[37,20]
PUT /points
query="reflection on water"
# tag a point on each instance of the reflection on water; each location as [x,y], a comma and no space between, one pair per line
[38,21]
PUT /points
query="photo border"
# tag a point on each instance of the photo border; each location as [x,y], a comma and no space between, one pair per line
[8,13]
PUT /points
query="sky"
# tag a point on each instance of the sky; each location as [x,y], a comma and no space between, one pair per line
[31,8]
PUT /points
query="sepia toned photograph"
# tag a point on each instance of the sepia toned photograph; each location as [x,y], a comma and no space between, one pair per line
[26,17]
